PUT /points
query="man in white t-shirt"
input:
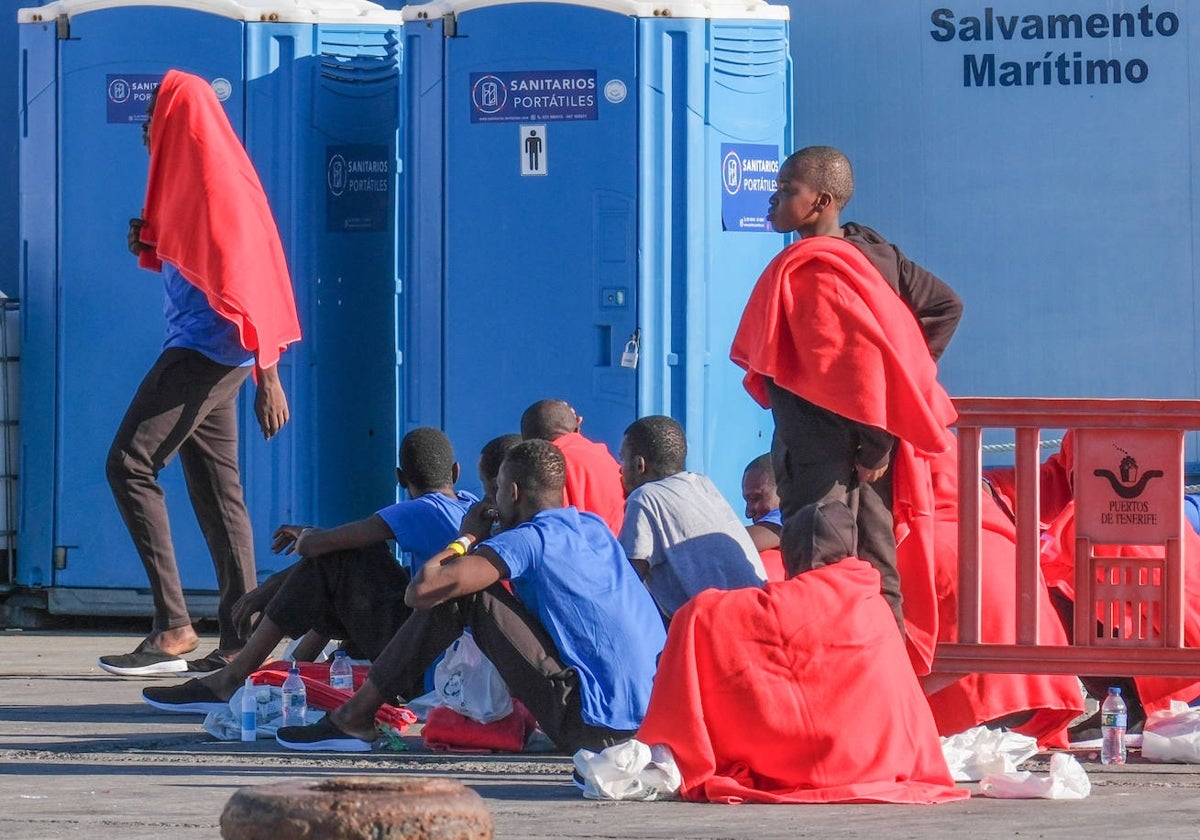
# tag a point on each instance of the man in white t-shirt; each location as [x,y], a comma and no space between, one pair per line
[679,532]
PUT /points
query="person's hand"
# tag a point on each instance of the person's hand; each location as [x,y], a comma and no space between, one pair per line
[134,237]
[249,606]
[867,475]
[287,538]
[479,520]
[270,403]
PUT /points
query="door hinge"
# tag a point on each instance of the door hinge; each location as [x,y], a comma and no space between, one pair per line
[449,25]
[63,27]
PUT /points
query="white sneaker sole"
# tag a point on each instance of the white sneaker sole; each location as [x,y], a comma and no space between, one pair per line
[169,666]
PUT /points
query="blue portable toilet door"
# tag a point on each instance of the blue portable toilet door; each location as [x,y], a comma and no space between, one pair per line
[541,216]
[110,312]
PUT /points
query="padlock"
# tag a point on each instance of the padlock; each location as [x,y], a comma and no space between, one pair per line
[629,358]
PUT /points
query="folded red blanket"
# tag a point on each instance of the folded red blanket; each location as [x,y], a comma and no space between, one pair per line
[448,731]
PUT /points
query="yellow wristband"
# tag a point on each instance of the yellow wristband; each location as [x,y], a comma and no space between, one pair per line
[460,546]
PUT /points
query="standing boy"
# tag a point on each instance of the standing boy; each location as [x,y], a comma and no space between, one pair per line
[842,361]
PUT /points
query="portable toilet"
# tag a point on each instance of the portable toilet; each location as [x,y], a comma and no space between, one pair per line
[587,190]
[312,88]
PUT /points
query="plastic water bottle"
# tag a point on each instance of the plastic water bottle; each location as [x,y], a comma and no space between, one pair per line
[249,711]
[1114,719]
[295,700]
[341,674]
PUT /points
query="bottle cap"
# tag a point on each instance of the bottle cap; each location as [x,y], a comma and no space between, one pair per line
[295,669]
[1116,689]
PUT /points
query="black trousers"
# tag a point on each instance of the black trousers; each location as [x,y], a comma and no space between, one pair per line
[813,453]
[355,595]
[187,403]
[515,641]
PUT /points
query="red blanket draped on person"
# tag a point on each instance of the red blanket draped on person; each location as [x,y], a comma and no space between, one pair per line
[593,479]
[824,324]
[798,692]
[206,214]
[1055,700]
[1058,566]
[1057,511]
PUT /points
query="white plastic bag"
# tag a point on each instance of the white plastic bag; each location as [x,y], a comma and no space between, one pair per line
[469,683]
[980,752]
[1173,735]
[227,723]
[1067,780]
[629,770]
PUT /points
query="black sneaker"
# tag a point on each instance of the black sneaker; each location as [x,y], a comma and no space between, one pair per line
[321,736]
[191,697]
[215,661]
[146,661]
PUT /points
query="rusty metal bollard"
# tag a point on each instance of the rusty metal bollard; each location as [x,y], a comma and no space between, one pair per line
[353,807]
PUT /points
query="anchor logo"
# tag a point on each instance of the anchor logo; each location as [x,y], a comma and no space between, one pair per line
[1128,485]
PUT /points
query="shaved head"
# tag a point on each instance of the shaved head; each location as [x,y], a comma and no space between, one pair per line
[548,420]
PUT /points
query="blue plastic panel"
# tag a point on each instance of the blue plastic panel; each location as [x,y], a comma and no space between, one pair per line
[1061,209]
[322,123]
[540,291]
[709,88]
[9,133]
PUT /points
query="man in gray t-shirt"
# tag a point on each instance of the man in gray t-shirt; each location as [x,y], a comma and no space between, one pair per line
[679,532]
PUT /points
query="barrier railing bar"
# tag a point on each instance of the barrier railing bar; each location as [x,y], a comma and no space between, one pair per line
[1028,464]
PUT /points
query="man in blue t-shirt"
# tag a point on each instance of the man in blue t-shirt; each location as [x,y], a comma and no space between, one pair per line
[578,644]
[348,584]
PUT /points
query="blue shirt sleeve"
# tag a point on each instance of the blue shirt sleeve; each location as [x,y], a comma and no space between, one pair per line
[519,548]
[404,518]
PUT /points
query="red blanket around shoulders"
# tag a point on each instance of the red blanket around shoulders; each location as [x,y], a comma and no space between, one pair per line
[593,479]
[206,214]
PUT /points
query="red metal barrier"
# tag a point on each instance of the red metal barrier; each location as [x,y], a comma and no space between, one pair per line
[1129,491]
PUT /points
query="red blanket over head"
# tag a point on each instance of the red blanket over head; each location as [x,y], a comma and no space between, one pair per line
[206,214]
[798,692]
[593,479]
[974,699]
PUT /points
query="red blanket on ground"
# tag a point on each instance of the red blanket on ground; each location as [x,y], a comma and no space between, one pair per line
[593,479]
[321,695]
[979,698]
[824,324]
[798,692]
[206,214]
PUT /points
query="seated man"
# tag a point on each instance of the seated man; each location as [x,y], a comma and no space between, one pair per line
[593,481]
[348,585]
[680,534]
[762,509]
[577,644]
[799,692]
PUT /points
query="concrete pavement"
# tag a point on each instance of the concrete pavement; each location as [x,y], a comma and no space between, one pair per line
[82,756]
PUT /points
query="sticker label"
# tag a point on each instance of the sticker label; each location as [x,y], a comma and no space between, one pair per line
[358,188]
[530,95]
[748,175]
[533,150]
[128,95]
